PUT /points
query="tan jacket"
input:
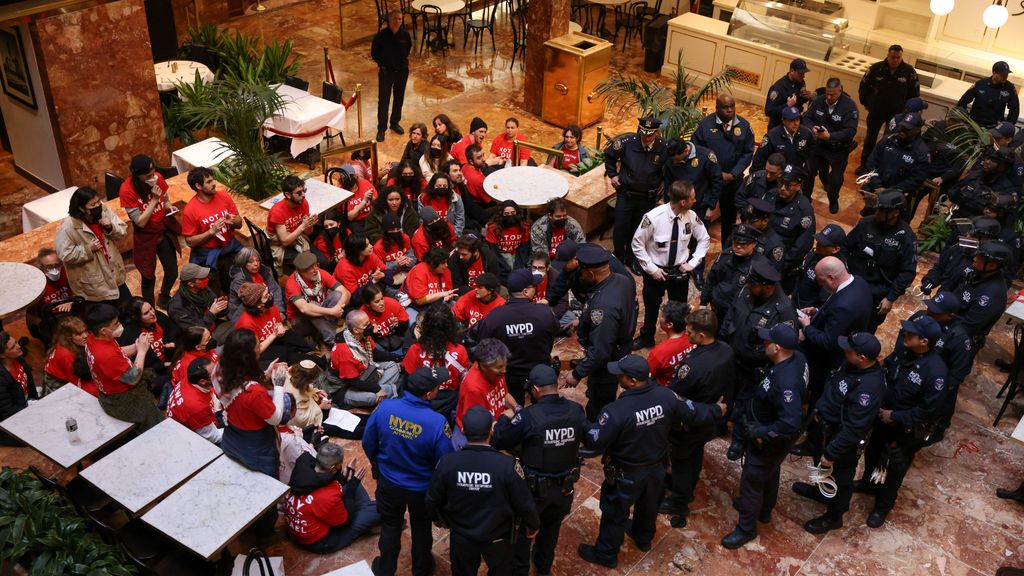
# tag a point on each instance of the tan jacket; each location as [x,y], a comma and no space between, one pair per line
[91,276]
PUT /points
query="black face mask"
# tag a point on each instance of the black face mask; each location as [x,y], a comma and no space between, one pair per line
[396,238]
[559,222]
[439,192]
[332,231]
[435,152]
[211,345]
[408,179]
[96,213]
[438,228]
[509,221]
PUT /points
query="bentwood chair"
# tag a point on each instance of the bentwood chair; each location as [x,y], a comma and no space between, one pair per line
[112,185]
[652,12]
[466,14]
[261,243]
[332,93]
[477,27]
[382,13]
[435,33]
[518,39]
[632,21]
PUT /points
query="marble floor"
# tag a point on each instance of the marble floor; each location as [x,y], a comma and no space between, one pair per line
[948,520]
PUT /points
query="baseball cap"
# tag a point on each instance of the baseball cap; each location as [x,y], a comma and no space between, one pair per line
[1001,67]
[831,235]
[944,303]
[192,271]
[428,215]
[799,65]
[911,120]
[745,233]
[140,164]
[924,326]
[915,105]
[633,366]
[542,375]
[790,113]
[1003,130]
[523,278]
[424,379]
[476,422]
[863,343]
[782,334]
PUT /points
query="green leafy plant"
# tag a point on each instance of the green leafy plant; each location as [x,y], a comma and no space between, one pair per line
[678,107]
[933,235]
[206,35]
[583,166]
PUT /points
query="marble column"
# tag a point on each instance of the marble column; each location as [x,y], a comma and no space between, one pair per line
[546,19]
[99,70]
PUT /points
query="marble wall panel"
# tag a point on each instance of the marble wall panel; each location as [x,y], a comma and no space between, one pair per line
[545,19]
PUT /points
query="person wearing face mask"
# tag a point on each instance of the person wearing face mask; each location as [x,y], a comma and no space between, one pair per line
[762,183]
[900,161]
[66,362]
[394,203]
[729,273]
[407,177]
[471,258]
[394,249]
[116,376]
[982,291]
[196,342]
[16,384]
[367,376]
[57,299]
[883,251]
[141,317]
[195,304]
[832,117]
[508,235]
[445,200]
[831,241]
[438,153]
[434,232]
[144,197]
[475,305]
[554,227]
[249,267]
[389,321]
[327,239]
[263,318]
[85,243]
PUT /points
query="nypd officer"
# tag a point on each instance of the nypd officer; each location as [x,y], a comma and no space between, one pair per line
[787,92]
[729,136]
[915,377]
[791,139]
[884,89]
[883,251]
[982,291]
[901,160]
[547,435]
[833,119]
[632,433]
[480,495]
[661,246]
[989,175]
[793,220]
[956,258]
[831,241]
[760,304]
[762,183]
[403,457]
[698,166]
[633,163]
[769,245]
[840,424]
[606,326]
[772,423]
[994,98]
[569,276]
[730,271]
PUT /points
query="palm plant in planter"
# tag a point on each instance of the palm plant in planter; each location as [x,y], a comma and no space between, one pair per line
[678,106]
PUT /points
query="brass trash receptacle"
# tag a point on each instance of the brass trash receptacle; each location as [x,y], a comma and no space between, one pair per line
[574,64]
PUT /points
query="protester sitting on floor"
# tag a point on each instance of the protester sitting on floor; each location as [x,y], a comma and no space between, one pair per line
[407,178]
[263,318]
[360,267]
[326,240]
[553,228]
[509,236]
[442,197]
[435,347]
[249,267]
[474,305]
[393,202]
[141,317]
[195,304]
[193,402]
[437,155]
[367,376]
[471,258]
[195,342]
[394,249]
[573,150]
[322,514]
[57,299]
[429,281]
[289,223]
[85,243]
[502,145]
[16,384]
[434,232]
[315,300]
[389,319]
[66,363]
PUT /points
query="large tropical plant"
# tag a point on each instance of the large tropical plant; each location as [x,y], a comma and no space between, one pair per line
[678,106]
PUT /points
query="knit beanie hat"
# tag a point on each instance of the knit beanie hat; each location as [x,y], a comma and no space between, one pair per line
[250,294]
[477,123]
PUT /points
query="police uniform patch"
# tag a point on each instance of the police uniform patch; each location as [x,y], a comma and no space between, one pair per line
[737,131]
[602,419]
[983,301]
[805,222]
[777,253]
[519,470]
[617,144]
[939,383]
[787,396]
[646,222]
[712,157]
[864,399]
[773,94]
[683,372]
[447,430]
[843,387]
[516,419]
[766,384]
[764,141]
[596,316]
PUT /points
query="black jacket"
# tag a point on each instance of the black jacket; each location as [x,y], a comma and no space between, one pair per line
[12,397]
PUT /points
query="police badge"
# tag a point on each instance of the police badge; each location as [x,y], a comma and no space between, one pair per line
[596,316]
[805,222]
[773,94]
[777,253]
[694,162]
[864,400]
[712,157]
[736,131]
[787,396]
[683,372]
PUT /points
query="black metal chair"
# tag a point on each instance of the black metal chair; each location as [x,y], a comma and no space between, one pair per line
[477,27]
[382,13]
[434,29]
[112,185]
[518,39]
[408,10]
[261,242]
[296,82]
[652,12]
[632,20]
[332,93]
[166,171]
[78,491]
[465,14]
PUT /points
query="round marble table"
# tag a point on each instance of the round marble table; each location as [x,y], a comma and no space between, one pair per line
[446,6]
[526,185]
[22,285]
[172,72]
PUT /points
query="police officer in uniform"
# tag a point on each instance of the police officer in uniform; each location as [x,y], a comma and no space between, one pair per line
[915,378]
[990,175]
[884,89]
[791,139]
[833,119]
[480,494]
[729,136]
[994,98]
[883,251]
[661,247]
[633,163]
[707,374]
[982,291]
[568,278]
[787,92]
[606,326]
[793,220]
[698,166]
[1003,208]
[403,458]
[840,425]
[632,433]
[772,423]
[760,183]
[831,241]
[760,304]
[769,245]
[900,161]
[730,271]
[547,435]
[955,259]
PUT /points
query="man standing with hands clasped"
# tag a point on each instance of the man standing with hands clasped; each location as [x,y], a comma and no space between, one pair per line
[390,50]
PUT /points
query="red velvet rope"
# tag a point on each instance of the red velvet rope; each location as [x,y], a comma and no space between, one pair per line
[312,133]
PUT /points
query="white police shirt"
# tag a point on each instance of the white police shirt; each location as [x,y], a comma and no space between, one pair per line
[651,241]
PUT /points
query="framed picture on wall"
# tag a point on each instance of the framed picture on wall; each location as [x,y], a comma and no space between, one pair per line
[14,75]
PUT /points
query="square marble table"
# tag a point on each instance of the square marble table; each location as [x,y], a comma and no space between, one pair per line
[360,568]
[49,208]
[206,513]
[143,470]
[320,195]
[208,153]
[41,425]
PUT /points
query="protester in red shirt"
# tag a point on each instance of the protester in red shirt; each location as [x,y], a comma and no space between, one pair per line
[263,318]
[359,267]
[477,303]
[57,299]
[66,363]
[509,236]
[142,318]
[430,280]
[408,179]
[208,223]
[289,223]
[392,203]
[193,402]
[196,342]
[473,170]
[668,355]
[484,384]
[394,247]
[144,198]
[389,319]
[477,133]
[573,151]
[436,347]
[434,232]
[363,194]
[366,377]
[327,238]
[501,147]
[117,377]
[315,509]
[441,196]
[315,299]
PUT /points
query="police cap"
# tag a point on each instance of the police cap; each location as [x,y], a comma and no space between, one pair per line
[592,255]
[566,250]
[915,105]
[790,113]
[985,226]
[542,375]
[1003,130]
[863,343]
[995,251]
[890,199]
[1001,67]
[745,234]
[633,366]
[648,125]
[792,173]
[799,65]
[944,303]
[782,334]
[924,326]
[831,235]
[911,120]
[762,272]
[521,279]
[476,423]
[424,379]
[759,207]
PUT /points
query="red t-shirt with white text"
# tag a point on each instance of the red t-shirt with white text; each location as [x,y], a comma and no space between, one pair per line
[666,357]
[197,217]
[477,391]
[416,358]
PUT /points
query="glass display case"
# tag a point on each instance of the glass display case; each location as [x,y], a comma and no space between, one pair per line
[813,29]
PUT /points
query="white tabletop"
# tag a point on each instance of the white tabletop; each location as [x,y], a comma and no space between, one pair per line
[169,74]
[302,113]
[320,195]
[20,286]
[41,425]
[206,513]
[160,459]
[527,185]
[208,153]
[49,208]
[446,6]
[574,27]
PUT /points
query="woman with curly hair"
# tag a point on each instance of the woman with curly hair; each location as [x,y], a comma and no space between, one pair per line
[435,345]
[417,145]
[66,362]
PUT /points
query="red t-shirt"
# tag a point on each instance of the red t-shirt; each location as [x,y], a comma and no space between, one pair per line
[344,362]
[362,187]
[180,371]
[458,150]
[102,237]
[53,292]
[264,325]
[355,277]
[284,213]
[502,146]
[666,357]
[335,252]
[422,282]
[542,290]
[454,353]
[396,252]
[386,322]
[61,364]
[570,157]
[442,204]
[20,376]
[197,217]
[476,391]
[130,199]
[310,517]
[420,244]
[157,335]
[475,184]
[511,238]
[557,237]
[107,364]
[293,292]
[251,407]
[469,310]
[191,406]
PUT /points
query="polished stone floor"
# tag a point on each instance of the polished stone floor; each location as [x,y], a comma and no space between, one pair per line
[947,521]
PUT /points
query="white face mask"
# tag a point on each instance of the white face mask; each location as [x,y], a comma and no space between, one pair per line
[117,333]
[151,180]
[52,275]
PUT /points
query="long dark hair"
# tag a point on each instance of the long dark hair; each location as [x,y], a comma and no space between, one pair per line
[437,328]
[188,341]
[446,148]
[353,245]
[417,176]
[133,310]
[380,205]
[450,196]
[81,197]
[451,131]
[239,364]
[142,188]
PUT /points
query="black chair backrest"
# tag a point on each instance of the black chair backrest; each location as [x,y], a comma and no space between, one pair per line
[430,11]
[331,92]
[296,82]
[637,11]
[261,242]
[112,185]
[494,12]
[166,171]
[48,482]
[259,557]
